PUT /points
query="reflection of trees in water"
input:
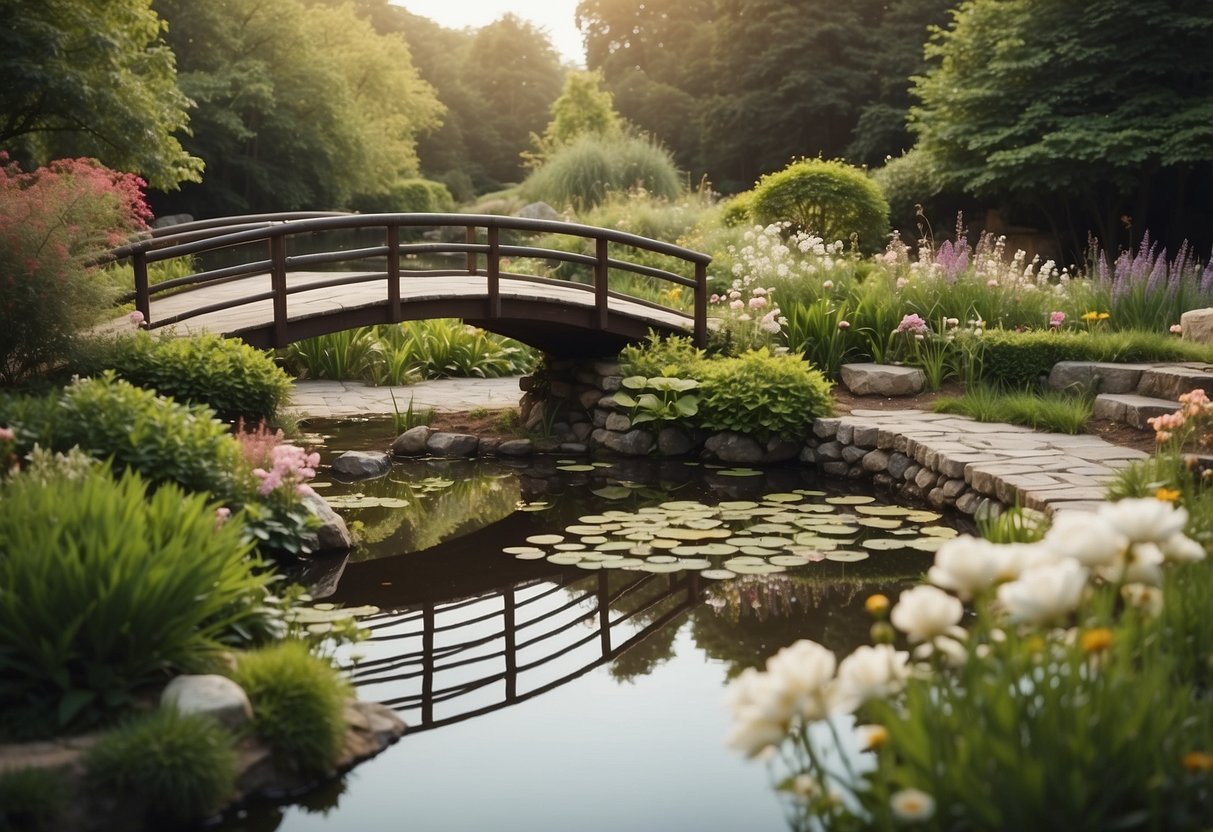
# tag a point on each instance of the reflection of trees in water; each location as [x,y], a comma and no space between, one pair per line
[744,621]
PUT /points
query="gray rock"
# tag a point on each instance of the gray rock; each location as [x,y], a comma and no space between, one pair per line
[876,461]
[936,498]
[897,465]
[883,379]
[632,443]
[582,431]
[845,432]
[1095,376]
[217,697]
[825,428]
[538,211]
[865,435]
[573,448]
[411,442]
[452,444]
[362,465]
[854,453]
[488,445]
[780,450]
[589,398]
[968,502]
[829,451]
[926,479]
[835,469]
[808,455]
[619,422]
[607,368]
[333,536]
[734,448]
[674,442]
[516,447]
[954,488]
[1172,382]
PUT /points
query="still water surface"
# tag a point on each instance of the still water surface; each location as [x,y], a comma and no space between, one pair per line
[576,694]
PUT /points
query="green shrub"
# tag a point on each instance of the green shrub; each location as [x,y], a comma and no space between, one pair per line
[407,196]
[106,589]
[830,199]
[1020,359]
[673,355]
[763,395]
[229,376]
[585,172]
[298,704]
[31,800]
[165,766]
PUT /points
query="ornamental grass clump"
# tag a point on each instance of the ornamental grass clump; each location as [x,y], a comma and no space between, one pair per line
[106,589]
[1019,688]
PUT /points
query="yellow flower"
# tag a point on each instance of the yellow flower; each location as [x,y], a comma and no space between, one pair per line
[872,737]
[1090,316]
[876,605]
[1168,495]
[1198,761]
[1103,316]
[1096,640]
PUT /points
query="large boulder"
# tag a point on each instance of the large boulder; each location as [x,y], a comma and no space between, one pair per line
[883,379]
[412,441]
[333,537]
[538,211]
[1197,325]
[452,444]
[734,448]
[362,465]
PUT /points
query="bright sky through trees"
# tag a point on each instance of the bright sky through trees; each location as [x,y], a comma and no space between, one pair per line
[555,16]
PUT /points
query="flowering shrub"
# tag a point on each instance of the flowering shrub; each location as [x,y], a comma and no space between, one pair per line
[1042,712]
[53,222]
[276,516]
[1191,424]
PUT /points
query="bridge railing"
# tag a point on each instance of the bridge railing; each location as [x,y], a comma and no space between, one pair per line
[448,662]
[482,250]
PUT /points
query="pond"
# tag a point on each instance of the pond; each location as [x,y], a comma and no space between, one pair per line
[558,634]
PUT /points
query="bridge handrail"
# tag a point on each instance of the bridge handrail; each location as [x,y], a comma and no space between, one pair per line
[198,237]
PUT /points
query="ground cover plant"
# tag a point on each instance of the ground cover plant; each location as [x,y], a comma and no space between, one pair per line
[1058,412]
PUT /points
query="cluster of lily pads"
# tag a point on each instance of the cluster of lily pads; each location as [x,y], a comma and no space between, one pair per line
[738,537]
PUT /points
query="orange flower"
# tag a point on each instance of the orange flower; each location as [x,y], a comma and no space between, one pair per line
[876,605]
[1096,640]
[1198,761]
[1168,495]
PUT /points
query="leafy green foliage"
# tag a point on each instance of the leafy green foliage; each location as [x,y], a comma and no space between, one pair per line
[422,196]
[56,103]
[174,767]
[762,394]
[1056,412]
[587,171]
[297,704]
[830,199]
[106,590]
[674,354]
[583,108]
[230,377]
[659,399]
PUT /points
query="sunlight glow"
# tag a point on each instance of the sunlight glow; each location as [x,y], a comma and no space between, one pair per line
[554,16]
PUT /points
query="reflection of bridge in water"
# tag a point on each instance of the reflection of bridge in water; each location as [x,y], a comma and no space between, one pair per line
[449,661]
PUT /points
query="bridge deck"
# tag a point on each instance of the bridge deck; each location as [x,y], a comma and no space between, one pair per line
[544,313]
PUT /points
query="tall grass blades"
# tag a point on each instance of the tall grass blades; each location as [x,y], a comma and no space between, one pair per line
[106,589]
[1056,412]
[351,354]
[587,171]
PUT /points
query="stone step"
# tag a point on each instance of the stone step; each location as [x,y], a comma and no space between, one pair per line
[1155,380]
[1132,409]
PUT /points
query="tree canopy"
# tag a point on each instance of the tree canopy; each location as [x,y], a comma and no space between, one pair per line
[93,79]
[1090,113]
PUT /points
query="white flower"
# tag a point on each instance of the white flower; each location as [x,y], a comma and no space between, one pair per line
[925,612]
[806,787]
[1141,564]
[1044,593]
[1148,599]
[1145,519]
[761,714]
[912,805]
[803,672]
[1086,537]
[1180,548]
[967,565]
[871,672]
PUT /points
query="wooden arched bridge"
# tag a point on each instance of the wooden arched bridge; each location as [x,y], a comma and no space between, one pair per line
[272,279]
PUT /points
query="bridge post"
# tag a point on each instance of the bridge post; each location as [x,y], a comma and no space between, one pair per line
[604,612]
[393,273]
[278,284]
[143,300]
[470,238]
[508,625]
[701,305]
[494,272]
[602,275]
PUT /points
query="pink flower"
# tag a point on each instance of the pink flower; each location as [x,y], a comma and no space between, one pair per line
[1177,329]
[827,284]
[7,435]
[136,318]
[736,304]
[913,323]
[715,298]
[992,283]
[222,515]
[1056,319]
[758,303]
[844,324]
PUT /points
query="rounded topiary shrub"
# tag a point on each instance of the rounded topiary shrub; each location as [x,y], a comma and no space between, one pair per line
[164,766]
[298,704]
[831,199]
[585,172]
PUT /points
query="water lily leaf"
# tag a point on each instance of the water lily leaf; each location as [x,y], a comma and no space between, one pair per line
[684,505]
[660,568]
[545,539]
[788,560]
[641,550]
[850,500]
[758,551]
[569,547]
[533,507]
[939,531]
[758,569]
[783,498]
[718,574]
[564,559]
[588,564]
[927,544]
[521,550]
[612,492]
[771,528]
[702,523]
[773,542]
[739,472]
[810,539]
[878,523]
[538,554]
[836,529]
[809,553]
[846,556]
[808,492]
[884,544]
[920,516]
[594,539]
[581,530]
[622,563]
[663,543]
[594,519]
[696,534]
[743,560]
[737,505]
[717,549]
[661,559]
[883,511]
[614,546]
[313,615]
[575,468]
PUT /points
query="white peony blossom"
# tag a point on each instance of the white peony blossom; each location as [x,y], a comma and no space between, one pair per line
[925,612]
[967,565]
[1145,520]
[804,672]
[1179,548]
[761,713]
[912,805]
[871,672]
[1086,537]
[1044,593]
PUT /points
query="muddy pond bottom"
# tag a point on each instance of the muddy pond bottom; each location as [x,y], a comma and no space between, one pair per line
[558,635]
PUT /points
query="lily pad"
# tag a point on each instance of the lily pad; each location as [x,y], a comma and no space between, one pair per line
[739,472]
[683,505]
[718,574]
[575,468]
[927,544]
[569,547]
[771,528]
[939,531]
[521,550]
[879,523]
[545,539]
[883,511]
[850,500]
[588,564]
[884,544]
[788,560]
[846,556]
[783,498]
[737,505]
[660,568]
[537,554]
[612,492]
[583,530]
[564,559]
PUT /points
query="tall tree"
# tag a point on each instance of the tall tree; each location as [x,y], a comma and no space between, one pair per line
[300,106]
[93,79]
[1095,112]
